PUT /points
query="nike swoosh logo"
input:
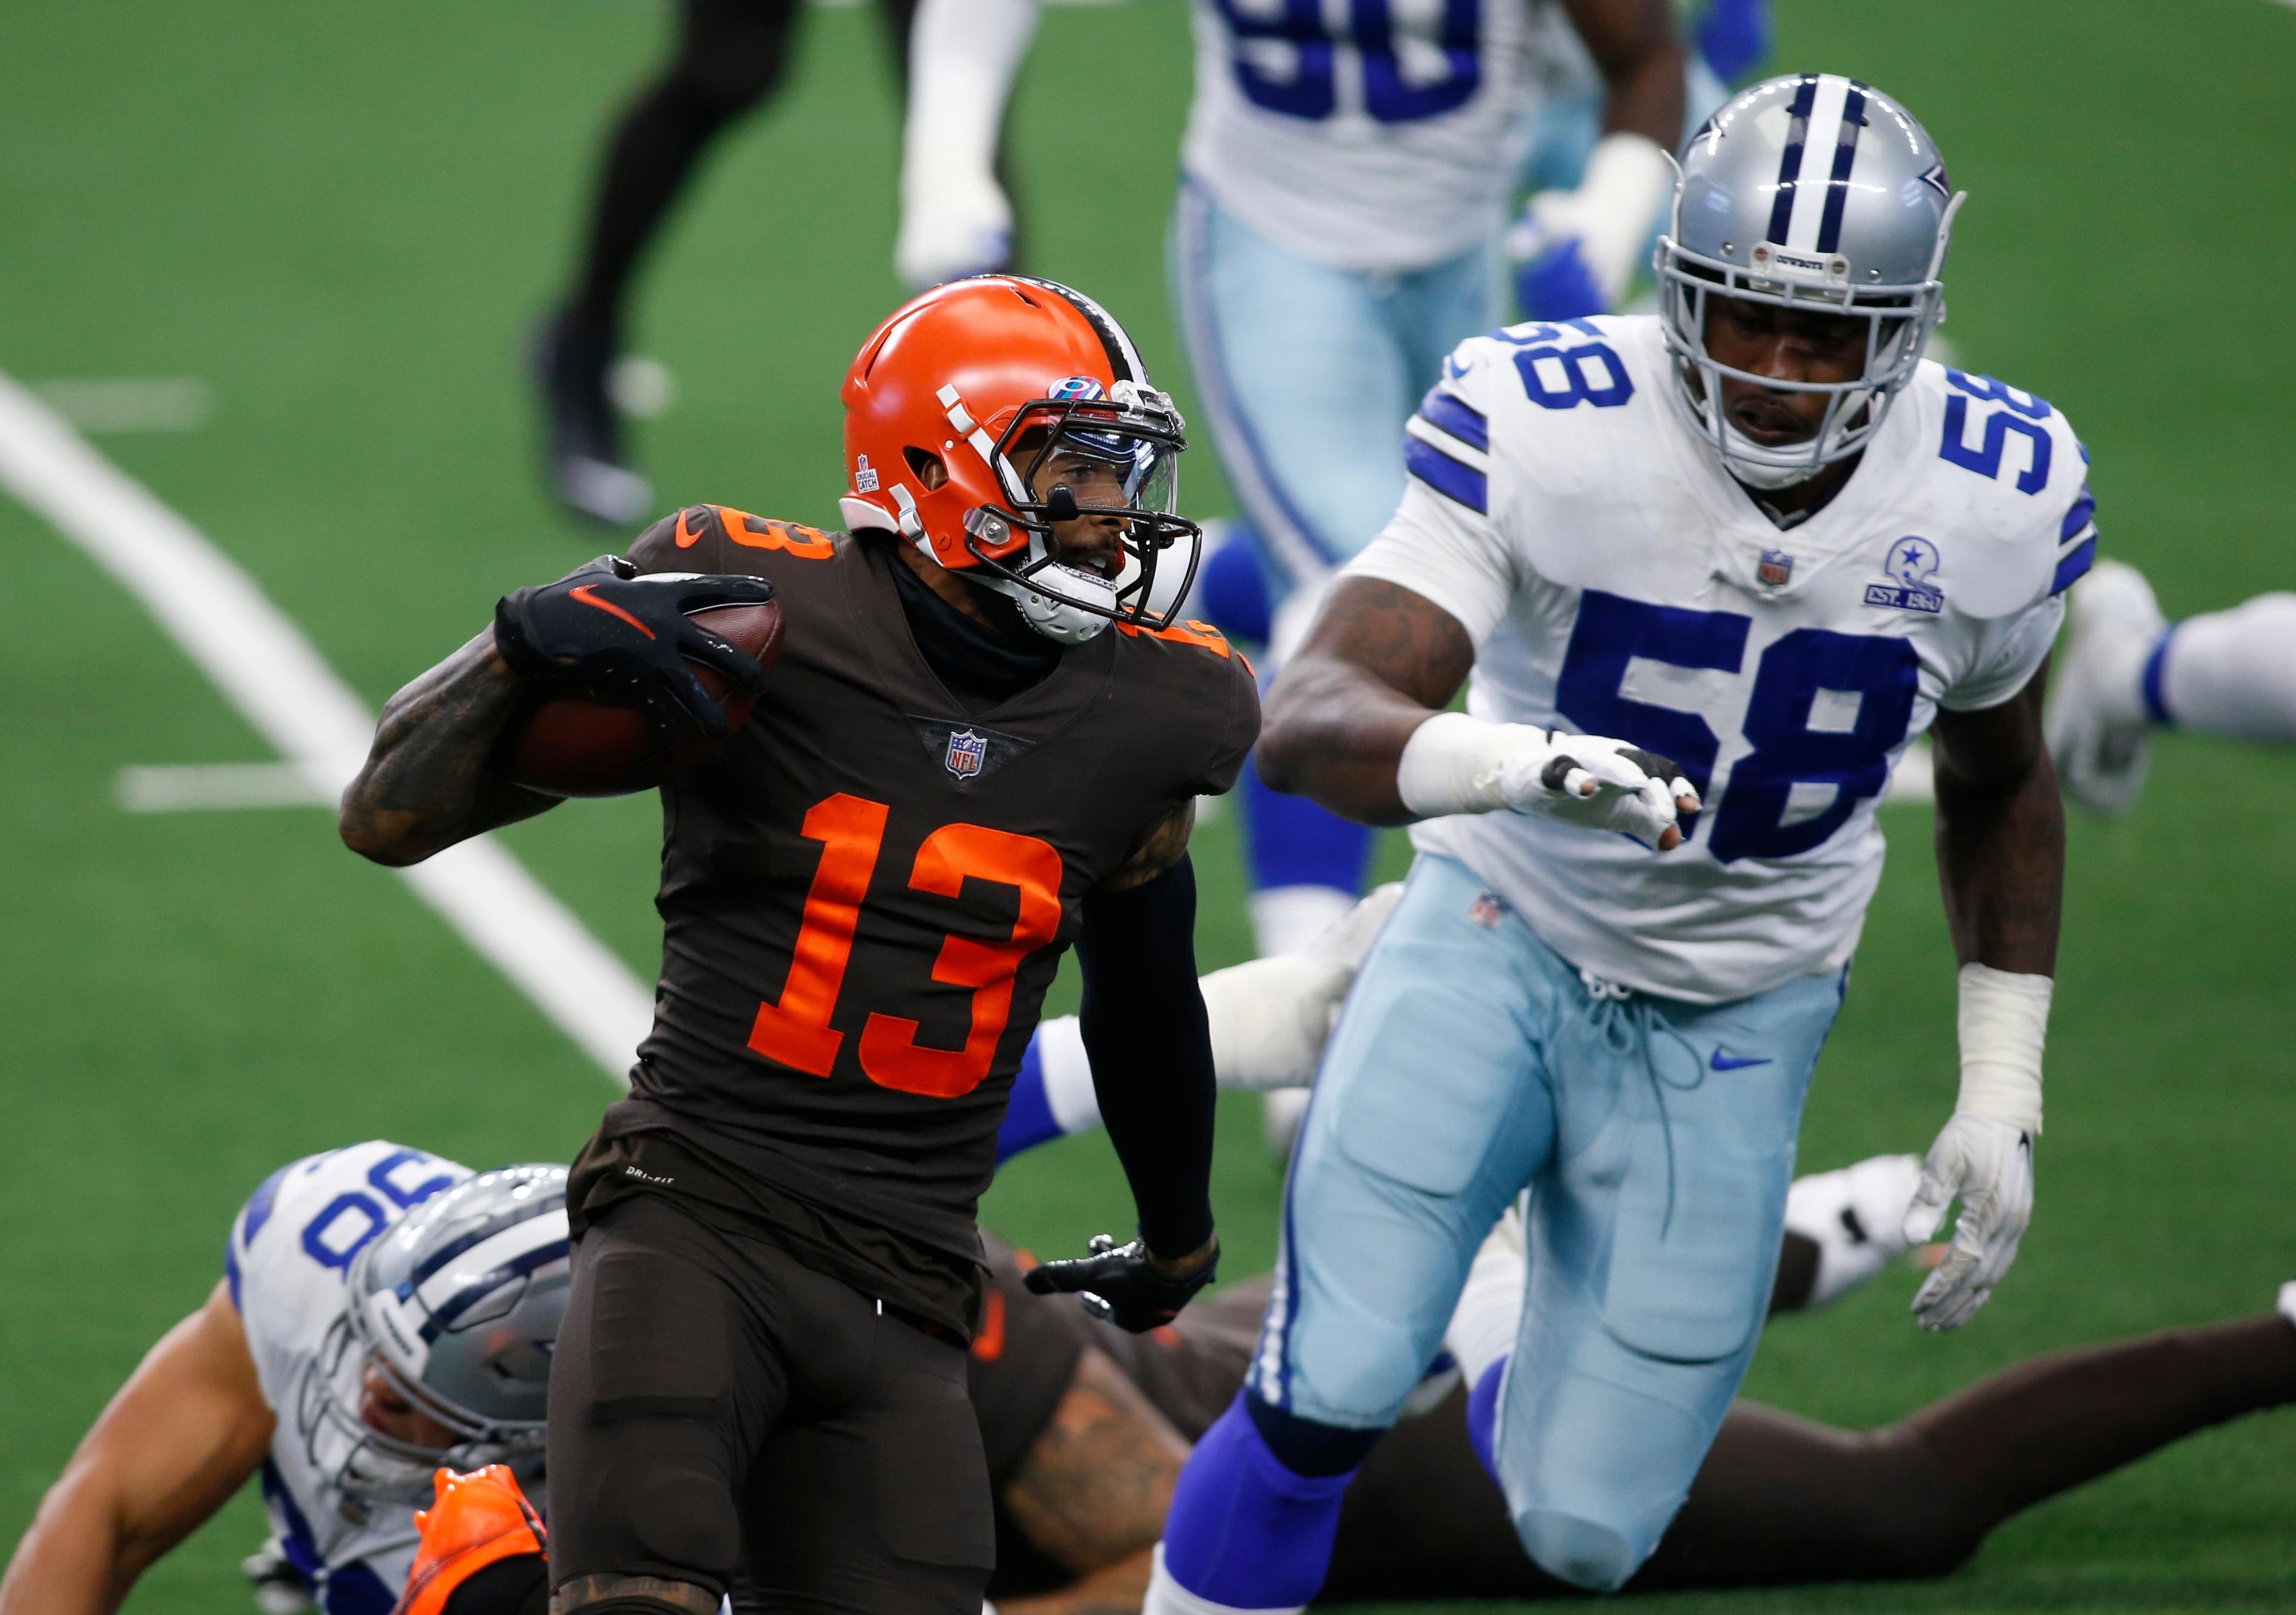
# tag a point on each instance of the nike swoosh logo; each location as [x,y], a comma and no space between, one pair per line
[1732,1062]
[608,606]
[687,537]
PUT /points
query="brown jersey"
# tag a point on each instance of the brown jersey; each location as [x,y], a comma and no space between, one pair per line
[865,897]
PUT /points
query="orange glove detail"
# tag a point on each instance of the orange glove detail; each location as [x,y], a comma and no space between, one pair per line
[475,1521]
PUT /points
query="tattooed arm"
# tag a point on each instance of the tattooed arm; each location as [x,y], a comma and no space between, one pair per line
[2000,834]
[1379,662]
[1091,1493]
[426,784]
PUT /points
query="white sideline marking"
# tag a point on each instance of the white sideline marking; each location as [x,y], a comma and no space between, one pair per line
[177,787]
[130,403]
[264,666]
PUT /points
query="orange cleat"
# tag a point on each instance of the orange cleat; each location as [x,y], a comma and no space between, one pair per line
[476,1520]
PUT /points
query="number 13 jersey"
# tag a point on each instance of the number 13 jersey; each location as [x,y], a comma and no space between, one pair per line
[865,895]
[1567,509]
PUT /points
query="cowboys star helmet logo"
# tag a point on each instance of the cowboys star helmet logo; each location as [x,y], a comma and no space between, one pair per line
[1912,567]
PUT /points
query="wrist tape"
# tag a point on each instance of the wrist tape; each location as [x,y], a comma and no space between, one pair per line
[2005,1022]
[1451,764]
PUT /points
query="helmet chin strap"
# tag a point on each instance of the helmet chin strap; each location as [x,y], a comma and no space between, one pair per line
[1749,463]
[1056,619]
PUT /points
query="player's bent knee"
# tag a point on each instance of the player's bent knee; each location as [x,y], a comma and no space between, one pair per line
[1304,1446]
[613,1594]
[1580,1551]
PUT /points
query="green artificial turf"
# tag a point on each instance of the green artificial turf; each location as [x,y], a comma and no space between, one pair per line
[345,219]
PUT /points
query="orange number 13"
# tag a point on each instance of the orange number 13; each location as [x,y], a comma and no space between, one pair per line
[851,831]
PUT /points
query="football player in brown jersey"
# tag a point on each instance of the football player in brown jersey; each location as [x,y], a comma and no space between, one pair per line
[982,745]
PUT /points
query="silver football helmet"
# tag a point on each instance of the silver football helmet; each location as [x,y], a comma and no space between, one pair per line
[458,1305]
[1815,193]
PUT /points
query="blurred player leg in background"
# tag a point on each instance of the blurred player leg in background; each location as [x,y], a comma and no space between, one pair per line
[1306,371]
[2126,668]
[727,60]
[957,206]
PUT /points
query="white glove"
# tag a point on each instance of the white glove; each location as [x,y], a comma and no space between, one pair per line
[1626,184]
[1987,1166]
[1603,785]
[1456,764]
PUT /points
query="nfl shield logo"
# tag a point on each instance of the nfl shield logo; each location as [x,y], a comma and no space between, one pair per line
[1777,569]
[966,751]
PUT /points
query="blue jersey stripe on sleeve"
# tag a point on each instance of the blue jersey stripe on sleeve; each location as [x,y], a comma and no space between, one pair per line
[1454,415]
[2083,512]
[1454,479]
[2069,570]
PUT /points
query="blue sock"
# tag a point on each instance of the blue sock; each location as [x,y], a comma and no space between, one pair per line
[1027,1113]
[2155,706]
[1292,842]
[1483,1416]
[1246,1531]
[1232,589]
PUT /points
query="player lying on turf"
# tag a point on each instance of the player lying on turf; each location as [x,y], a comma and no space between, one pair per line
[285,1374]
[266,1375]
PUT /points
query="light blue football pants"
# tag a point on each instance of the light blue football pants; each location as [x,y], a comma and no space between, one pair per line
[1308,373]
[1657,1140]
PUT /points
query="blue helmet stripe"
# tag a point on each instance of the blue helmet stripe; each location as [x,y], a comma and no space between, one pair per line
[463,1300]
[1845,158]
[1790,165]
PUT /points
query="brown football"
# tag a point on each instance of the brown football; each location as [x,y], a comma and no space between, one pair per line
[574,747]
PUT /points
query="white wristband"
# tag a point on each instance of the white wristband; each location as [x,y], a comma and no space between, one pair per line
[2005,1022]
[1627,179]
[1451,764]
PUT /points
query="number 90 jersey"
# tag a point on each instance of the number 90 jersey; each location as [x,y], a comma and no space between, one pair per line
[288,1261]
[1565,507]
[1369,134]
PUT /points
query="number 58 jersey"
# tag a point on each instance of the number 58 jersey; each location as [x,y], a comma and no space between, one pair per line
[1567,509]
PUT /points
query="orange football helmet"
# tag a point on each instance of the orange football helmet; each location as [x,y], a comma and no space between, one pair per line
[986,416]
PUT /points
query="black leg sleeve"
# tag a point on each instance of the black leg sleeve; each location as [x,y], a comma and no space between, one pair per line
[729,56]
[1150,1047]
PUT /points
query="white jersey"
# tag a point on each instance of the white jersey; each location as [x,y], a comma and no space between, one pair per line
[1567,510]
[290,1252]
[1370,135]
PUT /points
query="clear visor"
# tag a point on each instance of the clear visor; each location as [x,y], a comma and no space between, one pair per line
[1108,462]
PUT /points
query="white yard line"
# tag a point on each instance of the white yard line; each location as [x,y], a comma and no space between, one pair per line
[190,787]
[110,403]
[265,667]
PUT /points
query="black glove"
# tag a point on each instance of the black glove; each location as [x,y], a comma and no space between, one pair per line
[607,632]
[1120,1285]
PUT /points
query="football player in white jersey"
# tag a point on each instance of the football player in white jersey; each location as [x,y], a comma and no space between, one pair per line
[1345,177]
[310,1368]
[1727,561]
